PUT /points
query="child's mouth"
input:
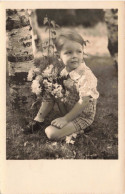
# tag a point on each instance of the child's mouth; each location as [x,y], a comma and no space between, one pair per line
[74,61]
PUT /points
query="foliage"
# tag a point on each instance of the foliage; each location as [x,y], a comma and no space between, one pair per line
[72,17]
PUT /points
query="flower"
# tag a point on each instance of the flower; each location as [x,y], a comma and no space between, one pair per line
[47,80]
[67,93]
[69,138]
[47,85]
[39,78]
[36,88]
[31,74]
[48,71]
[57,91]
[46,20]
[72,141]
[74,135]
[37,70]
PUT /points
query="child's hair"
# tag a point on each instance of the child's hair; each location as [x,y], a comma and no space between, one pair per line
[68,35]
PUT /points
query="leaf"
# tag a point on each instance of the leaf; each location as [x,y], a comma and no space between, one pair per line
[87,41]
[72,141]
[22,129]
[45,21]
[92,156]
[74,135]
[53,32]
[74,153]
[57,155]
[109,147]
[54,144]
[57,26]
[53,23]
[25,144]
[116,136]
[29,11]
[47,28]
[33,145]
[34,103]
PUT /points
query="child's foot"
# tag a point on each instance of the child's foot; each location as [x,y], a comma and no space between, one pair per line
[32,127]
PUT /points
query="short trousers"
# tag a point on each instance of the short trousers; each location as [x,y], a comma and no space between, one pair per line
[85,119]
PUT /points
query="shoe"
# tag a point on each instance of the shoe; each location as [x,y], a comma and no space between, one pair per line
[32,127]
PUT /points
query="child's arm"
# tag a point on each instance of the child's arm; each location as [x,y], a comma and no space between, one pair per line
[76,110]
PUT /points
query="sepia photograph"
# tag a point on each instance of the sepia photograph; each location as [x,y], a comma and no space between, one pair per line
[62,97]
[62,84]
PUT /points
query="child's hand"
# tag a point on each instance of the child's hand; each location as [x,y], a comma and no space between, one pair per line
[59,122]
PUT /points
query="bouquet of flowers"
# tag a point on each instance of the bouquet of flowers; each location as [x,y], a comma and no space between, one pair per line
[47,79]
[45,75]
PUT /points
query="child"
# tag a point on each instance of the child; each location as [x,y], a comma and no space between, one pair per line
[80,107]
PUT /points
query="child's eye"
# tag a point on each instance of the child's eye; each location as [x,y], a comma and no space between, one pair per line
[68,52]
[79,51]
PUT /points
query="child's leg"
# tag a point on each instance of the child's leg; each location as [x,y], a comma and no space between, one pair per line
[44,110]
[56,133]
[77,126]
[37,123]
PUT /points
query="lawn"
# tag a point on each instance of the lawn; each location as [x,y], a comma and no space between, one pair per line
[100,141]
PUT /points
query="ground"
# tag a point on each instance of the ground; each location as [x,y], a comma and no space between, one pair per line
[100,141]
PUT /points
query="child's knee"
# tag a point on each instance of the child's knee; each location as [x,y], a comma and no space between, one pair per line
[49,132]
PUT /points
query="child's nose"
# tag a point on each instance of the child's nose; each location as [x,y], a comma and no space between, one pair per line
[74,54]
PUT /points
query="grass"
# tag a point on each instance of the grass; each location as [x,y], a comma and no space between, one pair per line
[100,140]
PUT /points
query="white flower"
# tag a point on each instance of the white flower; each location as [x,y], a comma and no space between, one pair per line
[58,91]
[72,141]
[67,93]
[31,74]
[45,81]
[54,143]
[39,78]
[36,87]
[74,135]
[48,70]
[69,138]
[47,84]
[37,70]
[56,85]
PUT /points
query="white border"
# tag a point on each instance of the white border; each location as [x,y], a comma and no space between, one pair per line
[62,176]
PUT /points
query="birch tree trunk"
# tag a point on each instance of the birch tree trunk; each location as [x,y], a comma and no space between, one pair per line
[22,40]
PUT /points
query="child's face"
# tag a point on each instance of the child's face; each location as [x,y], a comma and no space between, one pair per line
[71,54]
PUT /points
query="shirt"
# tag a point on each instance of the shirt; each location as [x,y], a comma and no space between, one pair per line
[82,80]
